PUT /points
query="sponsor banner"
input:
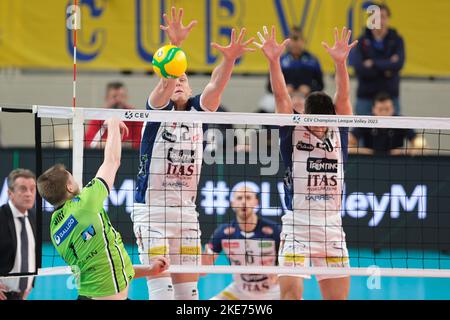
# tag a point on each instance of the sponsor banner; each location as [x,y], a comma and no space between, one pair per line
[388,202]
[125,34]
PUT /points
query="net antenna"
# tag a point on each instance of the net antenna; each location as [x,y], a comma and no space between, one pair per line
[78,120]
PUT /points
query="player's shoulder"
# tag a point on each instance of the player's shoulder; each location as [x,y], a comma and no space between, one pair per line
[96,186]
[97,182]
[269,227]
[226,230]
[194,102]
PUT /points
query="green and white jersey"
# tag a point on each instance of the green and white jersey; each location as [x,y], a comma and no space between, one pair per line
[83,235]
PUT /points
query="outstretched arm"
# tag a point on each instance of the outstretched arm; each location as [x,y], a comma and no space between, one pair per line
[177,33]
[339,53]
[272,50]
[212,95]
[113,151]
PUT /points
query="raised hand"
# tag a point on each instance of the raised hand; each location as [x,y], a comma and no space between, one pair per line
[236,48]
[175,29]
[269,46]
[339,52]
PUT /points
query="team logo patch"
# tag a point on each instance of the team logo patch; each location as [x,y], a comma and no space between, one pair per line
[65,230]
[296,119]
[88,233]
[325,145]
[267,230]
[181,156]
[158,251]
[304,146]
[128,114]
[166,135]
[294,259]
[265,244]
[230,244]
[319,197]
[229,230]
[190,250]
[322,165]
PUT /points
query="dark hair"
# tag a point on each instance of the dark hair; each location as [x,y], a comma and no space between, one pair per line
[52,184]
[296,33]
[319,103]
[114,86]
[381,97]
[19,173]
[384,6]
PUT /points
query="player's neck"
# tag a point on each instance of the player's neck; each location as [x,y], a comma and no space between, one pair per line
[380,34]
[180,106]
[249,224]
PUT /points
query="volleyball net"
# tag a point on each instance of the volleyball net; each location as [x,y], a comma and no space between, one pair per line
[394,202]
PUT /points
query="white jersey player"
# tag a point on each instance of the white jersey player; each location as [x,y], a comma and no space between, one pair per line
[164,216]
[248,240]
[312,230]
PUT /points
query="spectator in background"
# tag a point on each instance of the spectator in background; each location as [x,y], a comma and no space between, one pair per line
[377,60]
[301,70]
[116,98]
[18,235]
[384,141]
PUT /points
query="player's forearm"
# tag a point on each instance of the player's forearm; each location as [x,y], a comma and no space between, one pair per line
[282,99]
[161,94]
[342,97]
[342,81]
[220,77]
[113,146]
[141,271]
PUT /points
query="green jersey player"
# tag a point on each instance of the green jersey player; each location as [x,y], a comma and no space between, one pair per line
[82,232]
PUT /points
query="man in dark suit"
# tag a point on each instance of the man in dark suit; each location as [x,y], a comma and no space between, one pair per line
[18,235]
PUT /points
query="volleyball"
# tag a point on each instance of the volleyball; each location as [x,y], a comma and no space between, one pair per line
[169,62]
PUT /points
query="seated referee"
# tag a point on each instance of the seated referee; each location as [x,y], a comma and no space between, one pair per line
[82,232]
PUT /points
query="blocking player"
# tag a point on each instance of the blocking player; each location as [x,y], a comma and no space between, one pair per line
[248,240]
[314,156]
[164,216]
[82,232]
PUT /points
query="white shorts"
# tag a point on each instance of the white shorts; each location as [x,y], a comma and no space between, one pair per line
[179,242]
[297,250]
[234,292]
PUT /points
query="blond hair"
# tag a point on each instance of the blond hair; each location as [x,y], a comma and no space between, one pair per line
[52,184]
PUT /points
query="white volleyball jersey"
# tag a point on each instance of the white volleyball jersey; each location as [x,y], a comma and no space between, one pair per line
[257,248]
[170,162]
[315,175]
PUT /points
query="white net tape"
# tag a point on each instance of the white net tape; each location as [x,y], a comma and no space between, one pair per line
[249,118]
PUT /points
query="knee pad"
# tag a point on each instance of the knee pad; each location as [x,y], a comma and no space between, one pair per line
[186,291]
[160,289]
